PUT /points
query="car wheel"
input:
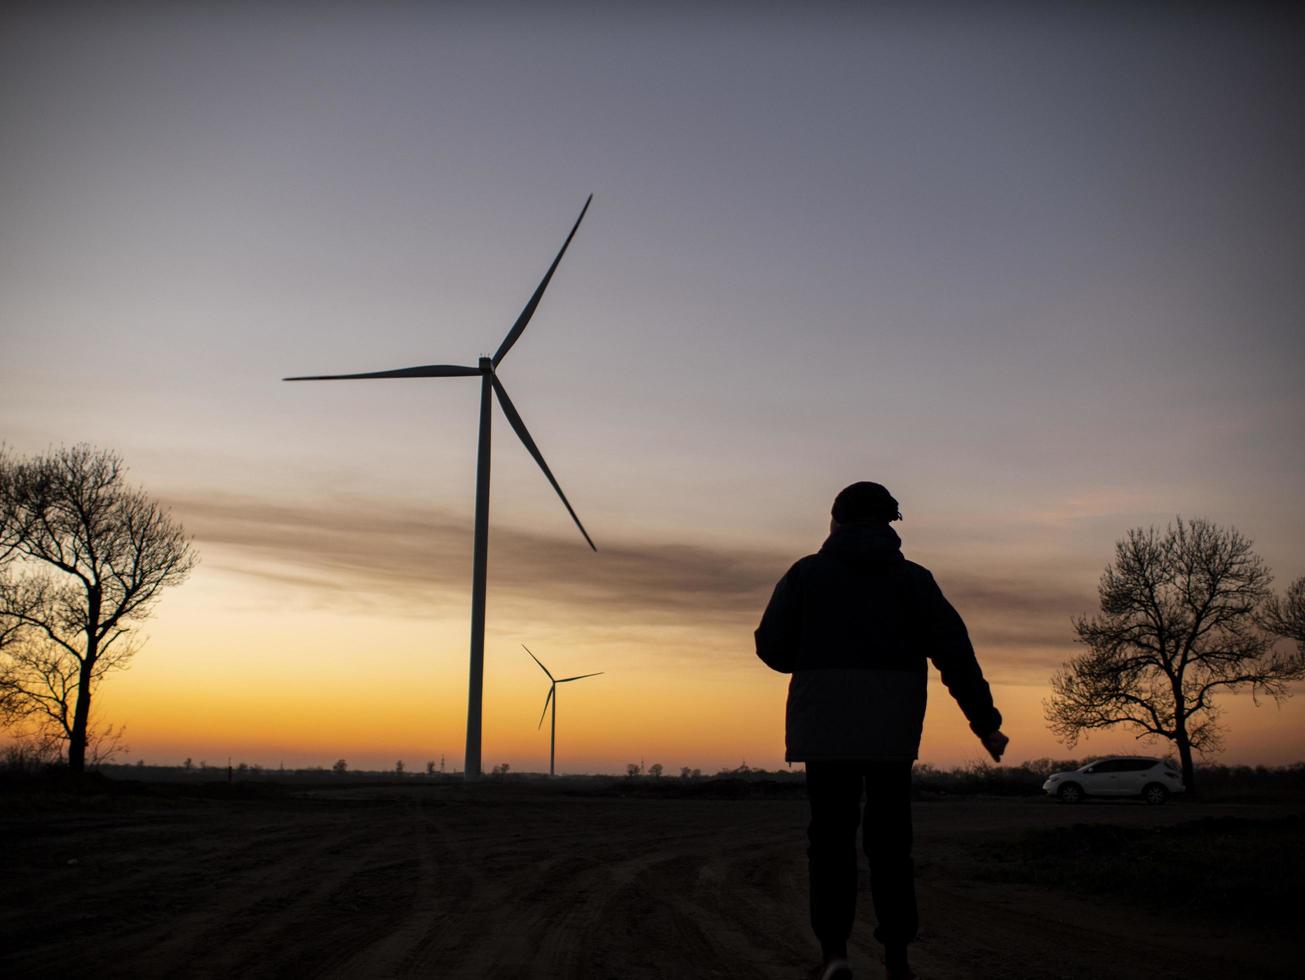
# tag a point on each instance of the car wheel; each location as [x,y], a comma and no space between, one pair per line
[1071,793]
[1155,794]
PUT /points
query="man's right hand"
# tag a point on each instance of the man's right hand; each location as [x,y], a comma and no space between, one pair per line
[995,744]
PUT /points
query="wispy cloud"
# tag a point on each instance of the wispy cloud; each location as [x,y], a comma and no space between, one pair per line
[416,560]
[412,555]
[1024,613]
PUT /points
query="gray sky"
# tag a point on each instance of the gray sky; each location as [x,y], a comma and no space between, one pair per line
[1035,267]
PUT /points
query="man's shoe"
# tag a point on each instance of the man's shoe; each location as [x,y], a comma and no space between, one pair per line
[895,965]
[839,969]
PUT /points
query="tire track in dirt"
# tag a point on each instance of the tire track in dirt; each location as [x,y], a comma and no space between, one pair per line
[130,882]
[493,883]
[702,913]
[269,917]
[409,938]
[235,896]
[539,897]
[761,933]
[520,929]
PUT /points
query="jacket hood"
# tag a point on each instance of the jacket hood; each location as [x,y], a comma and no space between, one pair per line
[864,544]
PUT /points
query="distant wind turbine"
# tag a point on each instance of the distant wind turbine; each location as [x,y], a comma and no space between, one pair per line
[552,697]
[485,370]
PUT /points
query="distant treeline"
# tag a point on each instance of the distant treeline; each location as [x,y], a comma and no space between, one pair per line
[1217,782]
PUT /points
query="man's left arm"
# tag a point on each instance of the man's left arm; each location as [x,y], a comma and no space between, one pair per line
[953,654]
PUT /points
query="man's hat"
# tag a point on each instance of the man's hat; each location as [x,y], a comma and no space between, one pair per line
[865,503]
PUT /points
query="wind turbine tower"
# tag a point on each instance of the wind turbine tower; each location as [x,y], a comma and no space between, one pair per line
[552,697]
[485,369]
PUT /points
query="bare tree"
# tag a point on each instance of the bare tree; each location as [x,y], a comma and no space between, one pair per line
[1286,617]
[83,558]
[1181,619]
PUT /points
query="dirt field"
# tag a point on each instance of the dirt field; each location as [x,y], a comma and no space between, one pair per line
[505,882]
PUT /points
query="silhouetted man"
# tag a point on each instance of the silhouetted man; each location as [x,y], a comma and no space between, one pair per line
[855,624]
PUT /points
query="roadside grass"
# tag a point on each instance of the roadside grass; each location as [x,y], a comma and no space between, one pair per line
[1216,783]
[1238,870]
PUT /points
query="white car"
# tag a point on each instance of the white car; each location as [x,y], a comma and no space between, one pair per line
[1131,775]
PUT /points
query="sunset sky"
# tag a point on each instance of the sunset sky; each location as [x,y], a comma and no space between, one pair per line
[1038,271]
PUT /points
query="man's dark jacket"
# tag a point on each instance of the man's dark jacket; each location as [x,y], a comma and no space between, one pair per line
[855,624]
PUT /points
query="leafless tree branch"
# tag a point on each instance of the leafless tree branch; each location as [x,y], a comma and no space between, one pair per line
[83,559]
[1184,613]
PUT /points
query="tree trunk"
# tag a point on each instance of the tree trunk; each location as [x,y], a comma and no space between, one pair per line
[78,735]
[81,719]
[1180,735]
[1185,757]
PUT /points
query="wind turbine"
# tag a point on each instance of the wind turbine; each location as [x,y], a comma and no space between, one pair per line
[552,696]
[486,371]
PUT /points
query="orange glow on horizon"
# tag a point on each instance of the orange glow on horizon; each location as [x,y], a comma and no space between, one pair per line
[306,682]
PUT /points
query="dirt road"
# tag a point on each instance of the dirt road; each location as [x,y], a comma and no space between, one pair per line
[439,882]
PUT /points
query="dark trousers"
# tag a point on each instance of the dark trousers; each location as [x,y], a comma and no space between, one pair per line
[835,789]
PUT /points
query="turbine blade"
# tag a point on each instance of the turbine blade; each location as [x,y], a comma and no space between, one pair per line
[514,419]
[563,680]
[421,371]
[529,311]
[545,711]
[538,661]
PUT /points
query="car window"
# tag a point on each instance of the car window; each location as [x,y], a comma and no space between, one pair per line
[1137,765]
[1108,765]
